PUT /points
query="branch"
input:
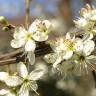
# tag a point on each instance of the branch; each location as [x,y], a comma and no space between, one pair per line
[27,17]
[15,56]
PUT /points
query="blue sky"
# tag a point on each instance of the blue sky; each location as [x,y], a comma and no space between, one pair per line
[11,8]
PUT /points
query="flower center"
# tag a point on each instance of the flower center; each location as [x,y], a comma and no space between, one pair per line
[69,44]
[82,58]
[13,90]
[42,28]
[26,80]
[29,36]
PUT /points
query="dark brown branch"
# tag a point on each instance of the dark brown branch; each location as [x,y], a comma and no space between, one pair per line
[13,57]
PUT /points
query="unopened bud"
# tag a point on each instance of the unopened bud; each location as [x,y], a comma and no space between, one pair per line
[3,20]
[5,29]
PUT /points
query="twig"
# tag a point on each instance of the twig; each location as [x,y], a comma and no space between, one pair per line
[8,61]
[11,54]
[16,56]
[27,17]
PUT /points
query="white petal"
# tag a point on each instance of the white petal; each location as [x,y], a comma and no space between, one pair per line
[17,43]
[31,57]
[57,62]
[68,55]
[4,92]
[33,27]
[40,36]
[82,23]
[34,86]
[68,36]
[22,70]
[88,47]
[50,58]
[87,37]
[13,81]
[11,94]
[47,24]
[91,57]
[36,74]
[78,45]
[30,45]
[19,33]
[93,18]
[4,76]
[23,91]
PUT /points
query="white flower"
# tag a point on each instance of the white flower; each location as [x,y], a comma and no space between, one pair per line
[37,31]
[3,76]
[42,30]
[27,81]
[91,15]
[83,57]
[8,92]
[82,23]
[23,38]
[63,49]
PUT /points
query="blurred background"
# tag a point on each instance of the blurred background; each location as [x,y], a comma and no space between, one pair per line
[61,13]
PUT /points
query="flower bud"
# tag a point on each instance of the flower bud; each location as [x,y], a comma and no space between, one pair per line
[3,20]
[5,29]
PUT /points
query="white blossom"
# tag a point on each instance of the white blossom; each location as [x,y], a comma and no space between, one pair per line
[63,49]
[37,31]
[7,92]
[86,21]
[27,81]
[82,23]
[83,57]
[3,76]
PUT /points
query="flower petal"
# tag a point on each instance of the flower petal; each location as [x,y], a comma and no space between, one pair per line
[87,37]
[50,58]
[68,36]
[40,36]
[57,62]
[30,45]
[22,70]
[47,24]
[24,91]
[36,74]
[11,94]
[78,44]
[13,81]
[33,27]
[88,47]
[4,76]
[15,43]
[34,86]
[68,55]
[19,33]
[4,92]
[31,57]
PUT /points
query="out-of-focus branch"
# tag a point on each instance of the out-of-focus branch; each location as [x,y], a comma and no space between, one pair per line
[15,56]
[27,17]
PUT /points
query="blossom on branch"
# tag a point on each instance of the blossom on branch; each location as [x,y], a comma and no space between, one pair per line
[38,31]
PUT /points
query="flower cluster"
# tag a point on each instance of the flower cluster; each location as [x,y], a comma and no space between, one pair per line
[21,84]
[38,31]
[71,53]
[87,20]
[75,51]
